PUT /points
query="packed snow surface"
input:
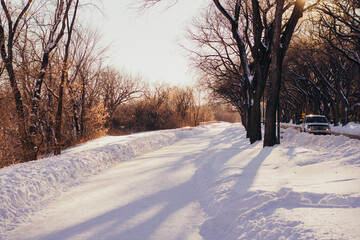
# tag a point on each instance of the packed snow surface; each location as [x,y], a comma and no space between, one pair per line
[201,183]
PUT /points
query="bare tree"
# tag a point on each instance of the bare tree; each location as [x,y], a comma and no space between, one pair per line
[340,27]
[254,81]
[280,42]
[118,88]
[64,79]
[154,111]
[260,30]
[216,56]
[88,60]
[7,40]
[56,29]
[321,80]
[56,32]
[183,101]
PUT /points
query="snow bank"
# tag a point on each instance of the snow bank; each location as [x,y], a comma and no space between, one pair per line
[350,128]
[343,148]
[25,187]
[254,192]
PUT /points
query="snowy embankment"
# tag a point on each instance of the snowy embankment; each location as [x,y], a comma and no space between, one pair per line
[306,188]
[26,187]
[350,128]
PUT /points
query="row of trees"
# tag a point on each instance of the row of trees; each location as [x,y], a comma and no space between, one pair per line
[240,46]
[322,72]
[30,35]
[56,91]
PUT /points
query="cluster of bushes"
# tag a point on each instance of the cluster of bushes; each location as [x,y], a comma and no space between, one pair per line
[163,107]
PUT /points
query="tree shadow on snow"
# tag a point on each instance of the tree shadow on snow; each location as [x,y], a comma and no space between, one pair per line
[116,224]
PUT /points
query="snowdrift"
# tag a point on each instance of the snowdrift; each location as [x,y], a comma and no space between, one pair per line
[350,128]
[345,149]
[25,187]
[305,188]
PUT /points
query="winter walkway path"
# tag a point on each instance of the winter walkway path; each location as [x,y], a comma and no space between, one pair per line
[151,197]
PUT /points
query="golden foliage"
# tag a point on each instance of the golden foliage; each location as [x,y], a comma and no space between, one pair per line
[95,119]
[10,149]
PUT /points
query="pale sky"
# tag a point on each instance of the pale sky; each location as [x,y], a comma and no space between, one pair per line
[147,43]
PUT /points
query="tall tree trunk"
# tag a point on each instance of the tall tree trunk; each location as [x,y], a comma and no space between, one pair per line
[275,80]
[82,114]
[64,77]
[34,118]
[49,128]
[28,148]
[75,112]
[243,114]
[341,98]
[280,46]
[58,120]
[262,69]
[335,112]
[326,108]
[255,130]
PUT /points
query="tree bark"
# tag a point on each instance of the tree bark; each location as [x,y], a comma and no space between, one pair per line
[275,80]
[82,114]
[255,130]
[280,46]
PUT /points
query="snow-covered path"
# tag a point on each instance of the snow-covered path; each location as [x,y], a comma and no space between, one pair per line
[210,185]
[151,197]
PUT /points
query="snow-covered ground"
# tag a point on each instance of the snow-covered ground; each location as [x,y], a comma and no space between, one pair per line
[350,128]
[202,183]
